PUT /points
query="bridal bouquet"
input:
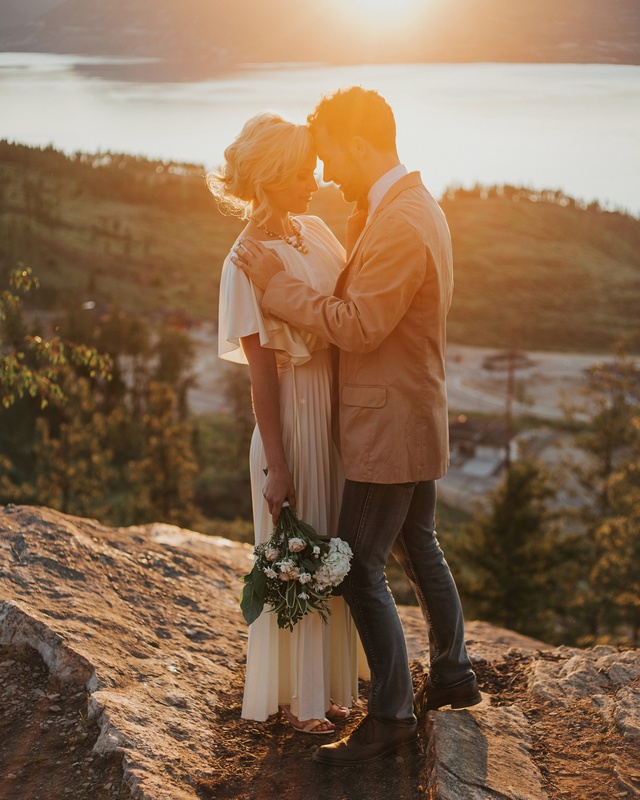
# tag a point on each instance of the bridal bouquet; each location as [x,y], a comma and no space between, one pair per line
[294,572]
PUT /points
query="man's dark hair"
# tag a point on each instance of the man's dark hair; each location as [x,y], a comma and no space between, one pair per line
[356,112]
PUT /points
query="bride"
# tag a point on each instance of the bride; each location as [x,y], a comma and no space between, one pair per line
[310,673]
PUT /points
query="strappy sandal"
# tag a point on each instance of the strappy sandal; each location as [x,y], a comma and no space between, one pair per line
[311,725]
[337,713]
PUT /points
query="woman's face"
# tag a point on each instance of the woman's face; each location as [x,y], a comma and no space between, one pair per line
[296,197]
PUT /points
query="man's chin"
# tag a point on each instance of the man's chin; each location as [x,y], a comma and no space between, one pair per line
[348,195]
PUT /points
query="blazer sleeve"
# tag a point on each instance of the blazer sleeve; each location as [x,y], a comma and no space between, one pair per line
[393,267]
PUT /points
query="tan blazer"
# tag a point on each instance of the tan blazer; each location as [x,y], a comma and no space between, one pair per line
[388,319]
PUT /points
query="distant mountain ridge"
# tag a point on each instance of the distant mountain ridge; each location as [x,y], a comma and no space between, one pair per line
[223,33]
[19,12]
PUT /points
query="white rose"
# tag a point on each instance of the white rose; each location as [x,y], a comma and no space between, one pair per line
[296,545]
[271,554]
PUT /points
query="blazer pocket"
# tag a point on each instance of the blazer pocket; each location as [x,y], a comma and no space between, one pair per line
[364,396]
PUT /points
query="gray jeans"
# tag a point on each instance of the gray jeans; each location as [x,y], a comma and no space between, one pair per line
[377,519]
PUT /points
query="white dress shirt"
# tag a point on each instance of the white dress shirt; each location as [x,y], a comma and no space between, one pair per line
[382,186]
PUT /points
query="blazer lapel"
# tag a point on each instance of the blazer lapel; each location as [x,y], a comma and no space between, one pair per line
[361,224]
[357,224]
[409,181]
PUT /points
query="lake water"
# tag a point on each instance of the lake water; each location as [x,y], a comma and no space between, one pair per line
[559,126]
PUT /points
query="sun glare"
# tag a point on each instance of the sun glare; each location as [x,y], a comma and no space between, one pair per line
[386,8]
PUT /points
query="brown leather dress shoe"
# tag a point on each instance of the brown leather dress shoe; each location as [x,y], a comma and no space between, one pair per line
[459,695]
[369,740]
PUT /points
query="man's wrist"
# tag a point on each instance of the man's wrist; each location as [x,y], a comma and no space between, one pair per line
[269,300]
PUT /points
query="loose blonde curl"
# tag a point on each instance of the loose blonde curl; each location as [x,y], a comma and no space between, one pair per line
[265,156]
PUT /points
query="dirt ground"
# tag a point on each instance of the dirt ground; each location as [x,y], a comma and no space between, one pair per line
[46,739]
[46,745]
[574,751]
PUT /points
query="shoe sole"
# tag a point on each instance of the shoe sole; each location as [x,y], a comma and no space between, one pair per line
[459,704]
[330,763]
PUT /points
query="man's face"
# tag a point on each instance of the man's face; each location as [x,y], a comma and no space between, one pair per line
[339,166]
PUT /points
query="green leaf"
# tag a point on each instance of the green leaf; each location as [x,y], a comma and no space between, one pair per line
[309,531]
[253,594]
[251,575]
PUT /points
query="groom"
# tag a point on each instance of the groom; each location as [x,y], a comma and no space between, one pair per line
[387,317]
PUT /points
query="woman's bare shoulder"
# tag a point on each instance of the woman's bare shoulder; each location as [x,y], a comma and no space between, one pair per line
[251,229]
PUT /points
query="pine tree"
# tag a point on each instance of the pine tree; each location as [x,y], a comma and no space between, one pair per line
[510,555]
[175,355]
[612,398]
[615,576]
[74,470]
[608,516]
[161,481]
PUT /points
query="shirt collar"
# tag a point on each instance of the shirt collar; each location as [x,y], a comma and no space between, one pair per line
[382,186]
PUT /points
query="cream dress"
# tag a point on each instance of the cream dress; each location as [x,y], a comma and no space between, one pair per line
[316,661]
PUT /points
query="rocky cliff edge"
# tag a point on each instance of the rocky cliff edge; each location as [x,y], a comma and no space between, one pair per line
[121,667]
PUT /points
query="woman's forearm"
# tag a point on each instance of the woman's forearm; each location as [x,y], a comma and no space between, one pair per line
[266,406]
[266,399]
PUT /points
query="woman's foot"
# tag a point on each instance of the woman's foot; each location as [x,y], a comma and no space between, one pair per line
[313,726]
[337,713]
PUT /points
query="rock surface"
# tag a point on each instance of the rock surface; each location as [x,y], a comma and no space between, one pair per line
[482,753]
[142,625]
[151,630]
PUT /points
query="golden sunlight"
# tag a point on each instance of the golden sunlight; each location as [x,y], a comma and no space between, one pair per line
[386,8]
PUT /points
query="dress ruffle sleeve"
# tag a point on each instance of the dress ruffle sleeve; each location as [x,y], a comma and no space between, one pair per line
[240,315]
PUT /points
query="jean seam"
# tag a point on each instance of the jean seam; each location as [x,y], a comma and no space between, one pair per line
[369,649]
[421,594]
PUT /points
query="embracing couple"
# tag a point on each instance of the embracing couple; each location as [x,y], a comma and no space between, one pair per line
[352,343]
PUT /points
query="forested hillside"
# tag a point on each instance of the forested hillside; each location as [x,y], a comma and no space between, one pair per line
[128,254]
[121,231]
[541,270]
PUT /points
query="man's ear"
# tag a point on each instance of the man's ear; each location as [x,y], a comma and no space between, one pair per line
[358,148]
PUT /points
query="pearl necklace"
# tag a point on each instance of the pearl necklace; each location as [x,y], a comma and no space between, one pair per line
[296,241]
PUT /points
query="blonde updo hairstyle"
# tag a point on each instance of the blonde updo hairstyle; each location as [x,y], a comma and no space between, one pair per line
[266,155]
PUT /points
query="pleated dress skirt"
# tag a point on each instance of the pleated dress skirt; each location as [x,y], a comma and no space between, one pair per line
[305,667]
